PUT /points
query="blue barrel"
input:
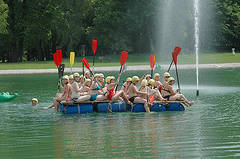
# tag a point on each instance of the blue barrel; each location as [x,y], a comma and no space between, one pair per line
[76,108]
[174,107]
[138,108]
[111,107]
[158,108]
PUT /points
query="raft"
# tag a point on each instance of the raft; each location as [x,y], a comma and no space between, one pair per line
[5,96]
[109,107]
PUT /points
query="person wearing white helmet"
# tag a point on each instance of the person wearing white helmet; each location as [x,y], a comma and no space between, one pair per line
[134,94]
[174,95]
[71,79]
[158,83]
[154,92]
[87,75]
[76,90]
[126,85]
[95,92]
[65,96]
[144,88]
[166,75]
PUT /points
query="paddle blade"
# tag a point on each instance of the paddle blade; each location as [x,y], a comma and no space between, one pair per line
[152,60]
[72,57]
[94,46]
[174,57]
[59,54]
[85,63]
[123,58]
[55,58]
[177,50]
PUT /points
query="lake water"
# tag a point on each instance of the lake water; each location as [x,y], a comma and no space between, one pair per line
[209,129]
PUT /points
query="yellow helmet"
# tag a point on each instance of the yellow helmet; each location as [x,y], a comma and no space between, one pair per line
[108,79]
[86,81]
[151,82]
[166,74]
[65,77]
[76,75]
[129,79]
[101,75]
[71,77]
[35,99]
[170,79]
[144,83]
[135,79]
[156,75]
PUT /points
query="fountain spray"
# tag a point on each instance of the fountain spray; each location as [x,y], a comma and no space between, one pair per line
[196,36]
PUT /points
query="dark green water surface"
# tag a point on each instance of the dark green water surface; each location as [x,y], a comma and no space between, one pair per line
[209,129]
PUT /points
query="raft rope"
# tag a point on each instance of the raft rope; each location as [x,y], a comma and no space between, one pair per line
[110,107]
[78,108]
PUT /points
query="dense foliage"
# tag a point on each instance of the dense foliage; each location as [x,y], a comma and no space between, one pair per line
[32,30]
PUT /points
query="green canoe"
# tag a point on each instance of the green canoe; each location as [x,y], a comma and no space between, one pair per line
[5,96]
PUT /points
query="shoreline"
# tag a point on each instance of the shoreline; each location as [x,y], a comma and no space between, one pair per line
[116,68]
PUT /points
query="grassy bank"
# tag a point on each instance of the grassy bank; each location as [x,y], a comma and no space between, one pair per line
[140,59]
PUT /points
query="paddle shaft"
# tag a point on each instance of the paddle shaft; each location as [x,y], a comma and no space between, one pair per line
[152,73]
[119,75]
[177,77]
[93,62]
[170,66]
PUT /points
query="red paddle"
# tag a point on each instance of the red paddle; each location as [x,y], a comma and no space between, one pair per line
[174,57]
[55,57]
[58,61]
[94,48]
[59,53]
[176,51]
[152,63]
[123,59]
[85,63]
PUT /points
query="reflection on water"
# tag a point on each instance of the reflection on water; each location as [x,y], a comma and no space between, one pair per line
[209,129]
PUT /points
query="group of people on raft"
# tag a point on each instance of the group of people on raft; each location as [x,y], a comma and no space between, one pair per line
[78,88]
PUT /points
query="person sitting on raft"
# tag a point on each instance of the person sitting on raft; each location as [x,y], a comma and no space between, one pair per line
[71,79]
[81,81]
[101,80]
[65,96]
[148,77]
[172,95]
[134,94]
[87,75]
[95,92]
[76,90]
[166,75]
[144,88]
[115,96]
[86,87]
[126,85]
[158,84]
[154,91]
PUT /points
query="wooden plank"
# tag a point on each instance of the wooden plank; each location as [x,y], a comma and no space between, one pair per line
[107,101]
